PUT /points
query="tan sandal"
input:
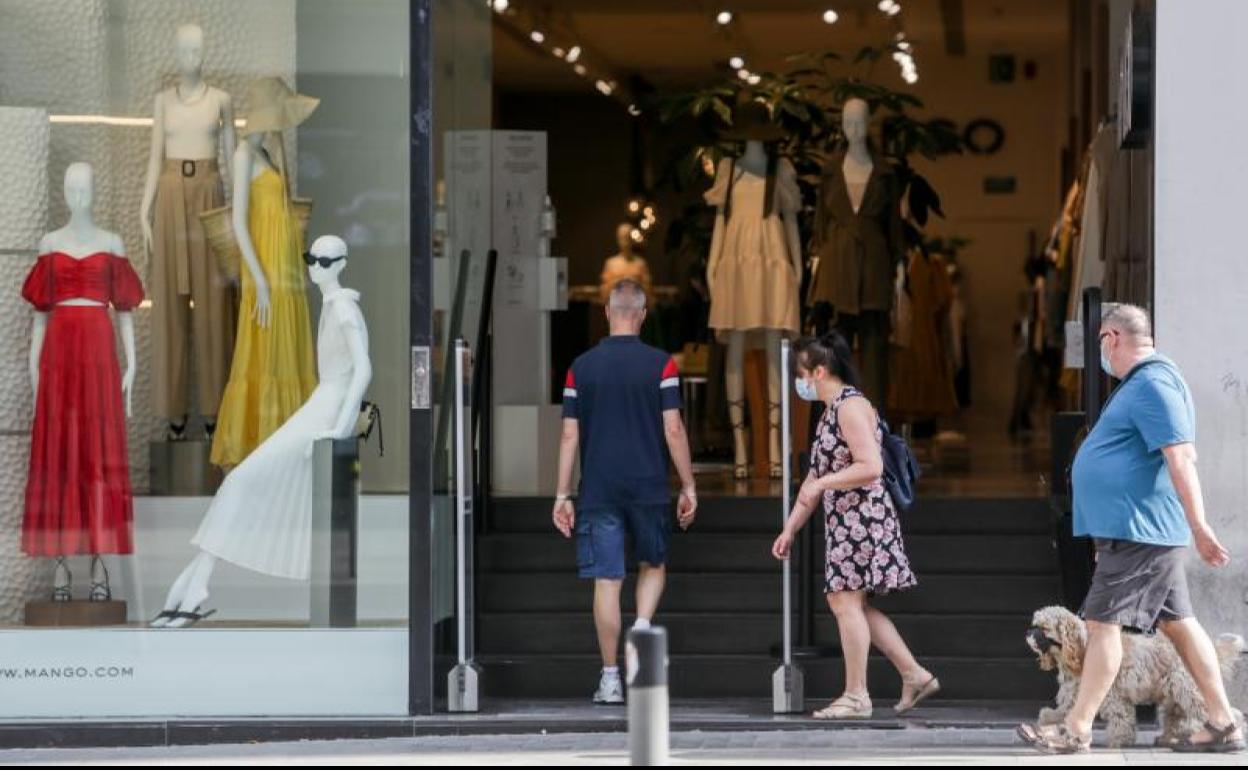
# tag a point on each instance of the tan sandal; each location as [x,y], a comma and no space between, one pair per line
[921,693]
[1057,739]
[846,707]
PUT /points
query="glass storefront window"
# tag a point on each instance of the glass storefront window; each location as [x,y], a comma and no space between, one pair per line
[185,437]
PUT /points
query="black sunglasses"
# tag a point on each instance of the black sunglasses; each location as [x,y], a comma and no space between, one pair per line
[322,261]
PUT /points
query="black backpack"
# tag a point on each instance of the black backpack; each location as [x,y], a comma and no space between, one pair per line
[901,469]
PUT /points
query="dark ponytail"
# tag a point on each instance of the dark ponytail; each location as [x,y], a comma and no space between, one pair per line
[832,352]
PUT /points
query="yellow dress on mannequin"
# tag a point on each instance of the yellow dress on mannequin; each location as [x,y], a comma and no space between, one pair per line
[273,371]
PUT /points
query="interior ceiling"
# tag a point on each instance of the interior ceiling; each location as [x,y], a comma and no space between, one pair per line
[676,43]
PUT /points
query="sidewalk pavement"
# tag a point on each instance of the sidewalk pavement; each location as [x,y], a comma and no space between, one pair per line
[907,746]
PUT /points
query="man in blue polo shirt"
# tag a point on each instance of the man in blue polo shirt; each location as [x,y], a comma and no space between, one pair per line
[621,407]
[1137,494]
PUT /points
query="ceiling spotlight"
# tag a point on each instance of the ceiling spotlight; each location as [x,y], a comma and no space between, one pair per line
[634,110]
[537,37]
[736,62]
[634,206]
[744,74]
[724,17]
[636,235]
[500,5]
[830,17]
[885,5]
[754,79]
[911,77]
[894,10]
[574,53]
[580,69]
[558,52]
[606,88]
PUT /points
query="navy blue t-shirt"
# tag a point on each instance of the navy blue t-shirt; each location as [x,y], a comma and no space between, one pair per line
[617,393]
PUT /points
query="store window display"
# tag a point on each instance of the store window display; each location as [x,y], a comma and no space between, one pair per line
[261,518]
[78,495]
[273,371]
[754,267]
[192,300]
[859,242]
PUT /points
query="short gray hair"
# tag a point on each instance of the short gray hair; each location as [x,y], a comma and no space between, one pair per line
[1131,320]
[628,295]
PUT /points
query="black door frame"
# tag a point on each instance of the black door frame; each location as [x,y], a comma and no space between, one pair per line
[420,698]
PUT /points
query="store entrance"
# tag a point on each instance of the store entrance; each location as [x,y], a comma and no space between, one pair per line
[921,187]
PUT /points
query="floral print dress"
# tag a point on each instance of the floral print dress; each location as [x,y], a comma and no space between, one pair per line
[865,551]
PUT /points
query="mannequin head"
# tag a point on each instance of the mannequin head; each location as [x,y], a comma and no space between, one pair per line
[624,238]
[855,117]
[79,188]
[189,49]
[327,247]
[626,308]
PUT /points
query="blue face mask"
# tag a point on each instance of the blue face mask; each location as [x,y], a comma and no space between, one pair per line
[1105,365]
[806,390]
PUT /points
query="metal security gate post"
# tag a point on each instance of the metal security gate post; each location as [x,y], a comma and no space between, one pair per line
[463,682]
[787,683]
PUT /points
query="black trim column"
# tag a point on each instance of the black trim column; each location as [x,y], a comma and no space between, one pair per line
[420,552]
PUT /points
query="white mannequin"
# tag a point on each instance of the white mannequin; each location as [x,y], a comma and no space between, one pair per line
[187,121]
[249,162]
[855,117]
[330,412]
[754,161]
[81,238]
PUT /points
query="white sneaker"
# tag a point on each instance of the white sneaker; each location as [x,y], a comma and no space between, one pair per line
[610,691]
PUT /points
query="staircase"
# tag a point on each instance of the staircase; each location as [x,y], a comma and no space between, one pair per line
[983,566]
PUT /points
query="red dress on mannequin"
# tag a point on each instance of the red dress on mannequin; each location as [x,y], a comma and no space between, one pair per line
[78,498]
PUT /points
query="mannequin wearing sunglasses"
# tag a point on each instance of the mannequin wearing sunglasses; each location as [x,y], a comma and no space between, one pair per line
[261,518]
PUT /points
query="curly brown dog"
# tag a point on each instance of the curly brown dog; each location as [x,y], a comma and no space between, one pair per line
[1151,673]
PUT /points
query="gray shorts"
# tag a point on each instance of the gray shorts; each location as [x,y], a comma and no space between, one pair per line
[1137,585]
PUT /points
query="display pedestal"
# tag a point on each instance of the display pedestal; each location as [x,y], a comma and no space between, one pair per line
[182,469]
[112,613]
[335,524]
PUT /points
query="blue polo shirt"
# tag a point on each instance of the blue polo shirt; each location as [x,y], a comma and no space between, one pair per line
[617,393]
[1122,487]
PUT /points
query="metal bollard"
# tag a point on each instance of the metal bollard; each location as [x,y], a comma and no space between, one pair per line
[645,654]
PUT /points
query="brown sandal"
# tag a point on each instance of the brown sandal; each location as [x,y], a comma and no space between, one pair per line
[1220,741]
[1062,741]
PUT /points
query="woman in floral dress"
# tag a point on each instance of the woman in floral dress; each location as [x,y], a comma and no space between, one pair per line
[866,556]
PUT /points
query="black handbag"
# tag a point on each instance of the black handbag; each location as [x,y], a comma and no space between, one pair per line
[901,469]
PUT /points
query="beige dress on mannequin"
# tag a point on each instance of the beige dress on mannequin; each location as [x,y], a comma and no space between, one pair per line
[755,286]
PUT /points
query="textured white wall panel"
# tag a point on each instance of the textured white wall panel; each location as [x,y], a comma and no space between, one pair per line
[21,578]
[23,167]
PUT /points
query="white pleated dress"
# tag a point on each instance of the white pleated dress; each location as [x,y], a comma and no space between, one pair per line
[261,517]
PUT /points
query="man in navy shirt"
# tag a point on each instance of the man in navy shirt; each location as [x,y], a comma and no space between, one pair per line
[1137,494]
[621,407]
